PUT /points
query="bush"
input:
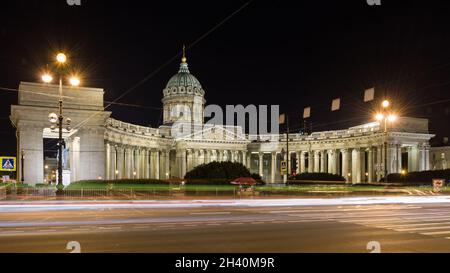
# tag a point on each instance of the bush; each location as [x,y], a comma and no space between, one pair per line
[317,177]
[418,178]
[218,173]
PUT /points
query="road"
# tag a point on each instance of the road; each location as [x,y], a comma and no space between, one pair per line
[227,227]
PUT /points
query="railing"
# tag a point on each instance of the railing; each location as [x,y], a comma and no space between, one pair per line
[118,194]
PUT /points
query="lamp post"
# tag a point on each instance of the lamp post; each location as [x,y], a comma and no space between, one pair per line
[385,116]
[58,119]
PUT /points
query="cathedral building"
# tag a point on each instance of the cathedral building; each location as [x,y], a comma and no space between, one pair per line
[100,147]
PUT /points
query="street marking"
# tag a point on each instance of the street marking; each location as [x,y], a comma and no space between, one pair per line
[47,230]
[210,213]
[213,224]
[415,225]
[436,232]
[235,223]
[421,228]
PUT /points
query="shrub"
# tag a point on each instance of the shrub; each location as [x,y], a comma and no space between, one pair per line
[218,173]
[317,177]
[418,178]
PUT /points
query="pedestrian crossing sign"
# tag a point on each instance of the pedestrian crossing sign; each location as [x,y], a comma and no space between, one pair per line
[8,164]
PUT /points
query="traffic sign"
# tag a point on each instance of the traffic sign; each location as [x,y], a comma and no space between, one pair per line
[8,164]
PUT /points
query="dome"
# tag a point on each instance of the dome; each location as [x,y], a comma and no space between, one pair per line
[184,78]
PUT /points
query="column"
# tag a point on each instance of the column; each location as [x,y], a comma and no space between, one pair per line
[427,157]
[363,165]
[370,165]
[356,166]
[399,158]
[392,158]
[323,161]
[182,159]
[336,161]
[190,160]
[113,163]
[297,156]
[244,158]
[273,166]
[345,164]
[310,161]
[316,161]
[108,161]
[147,163]
[260,165]
[167,165]
[302,162]
[142,161]
[379,162]
[421,158]
[330,161]
[120,162]
[137,165]
[128,163]
[157,165]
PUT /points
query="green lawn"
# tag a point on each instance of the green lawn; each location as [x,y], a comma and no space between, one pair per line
[272,189]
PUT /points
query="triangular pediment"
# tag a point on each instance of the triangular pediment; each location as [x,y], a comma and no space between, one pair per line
[217,132]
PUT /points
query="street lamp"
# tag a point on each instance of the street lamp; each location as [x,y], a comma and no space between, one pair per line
[385,116]
[57,120]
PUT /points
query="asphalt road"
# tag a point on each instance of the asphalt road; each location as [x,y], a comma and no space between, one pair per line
[230,229]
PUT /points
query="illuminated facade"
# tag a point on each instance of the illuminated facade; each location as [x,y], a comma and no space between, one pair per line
[100,147]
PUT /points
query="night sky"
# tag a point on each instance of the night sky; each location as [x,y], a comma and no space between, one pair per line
[291,53]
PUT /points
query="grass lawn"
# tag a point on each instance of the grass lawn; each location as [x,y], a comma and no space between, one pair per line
[272,189]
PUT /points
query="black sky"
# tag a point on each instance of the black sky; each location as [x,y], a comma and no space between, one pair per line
[291,53]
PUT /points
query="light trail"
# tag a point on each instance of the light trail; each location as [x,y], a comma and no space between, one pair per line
[90,205]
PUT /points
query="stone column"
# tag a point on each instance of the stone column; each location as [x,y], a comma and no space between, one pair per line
[421,158]
[182,158]
[331,163]
[297,156]
[120,162]
[316,161]
[128,163]
[113,163]
[363,165]
[379,162]
[157,165]
[399,158]
[310,162]
[302,162]
[147,163]
[427,157]
[244,158]
[167,165]
[137,163]
[370,165]
[323,161]
[107,161]
[273,166]
[356,166]
[392,158]
[336,165]
[345,164]
[188,160]
[260,165]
